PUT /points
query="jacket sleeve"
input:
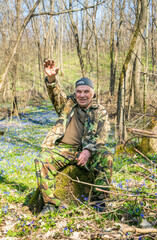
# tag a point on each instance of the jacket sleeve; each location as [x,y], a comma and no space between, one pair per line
[97,131]
[57,96]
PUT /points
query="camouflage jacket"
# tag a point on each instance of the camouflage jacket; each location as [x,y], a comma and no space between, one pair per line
[96,124]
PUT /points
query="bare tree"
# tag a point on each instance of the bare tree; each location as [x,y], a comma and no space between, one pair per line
[77,41]
[146,60]
[112,49]
[21,31]
[139,29]
[15,64]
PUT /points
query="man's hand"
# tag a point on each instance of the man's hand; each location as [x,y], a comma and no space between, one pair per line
[83,157]
[50,70]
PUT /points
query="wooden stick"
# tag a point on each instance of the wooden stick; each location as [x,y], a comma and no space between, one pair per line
[144,156]
[139,230]
[143,133]
[123,194]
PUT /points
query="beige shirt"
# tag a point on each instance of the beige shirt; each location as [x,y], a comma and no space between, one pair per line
[74,131]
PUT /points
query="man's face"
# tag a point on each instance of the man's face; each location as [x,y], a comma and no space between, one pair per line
[84,95]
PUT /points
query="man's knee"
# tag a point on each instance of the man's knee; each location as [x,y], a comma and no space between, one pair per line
[44,164]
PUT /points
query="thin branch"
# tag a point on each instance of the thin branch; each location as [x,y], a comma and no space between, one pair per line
[149,74]
[141,114]
[142,133]
[102,186]
[122,194]
[144,156]
[14,49]
[139,230]
[66,11]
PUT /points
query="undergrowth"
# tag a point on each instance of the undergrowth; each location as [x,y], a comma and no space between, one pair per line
[133,196]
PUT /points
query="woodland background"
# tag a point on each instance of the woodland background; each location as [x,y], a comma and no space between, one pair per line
[113,42]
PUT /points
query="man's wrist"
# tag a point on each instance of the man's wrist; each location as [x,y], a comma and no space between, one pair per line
[52,84]
[51,79]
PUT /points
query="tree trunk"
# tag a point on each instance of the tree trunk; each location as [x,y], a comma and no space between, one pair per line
[112,48]
[76,36]
[14,107]
[153,40]
[137,78]
[146,63]
[139,28]
[97,52]
[26,20]
[51,32]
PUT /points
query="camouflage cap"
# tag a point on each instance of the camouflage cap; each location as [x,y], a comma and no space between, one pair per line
[84,81]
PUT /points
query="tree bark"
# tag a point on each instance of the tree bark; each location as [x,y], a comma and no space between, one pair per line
[97,52]
[137,78]
[139,28]
[14,107]
[112,49]
[26,20]
[76,36]
[146,62]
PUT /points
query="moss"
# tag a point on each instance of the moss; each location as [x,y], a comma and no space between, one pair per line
[145,146]
[121,150]
[149,145]
[66,189]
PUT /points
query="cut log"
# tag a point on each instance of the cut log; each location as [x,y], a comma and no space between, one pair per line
[149,141]
[66,189]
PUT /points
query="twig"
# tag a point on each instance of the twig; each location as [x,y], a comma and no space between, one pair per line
[66,11]
[149,115]
[145,177]
[85,183]
[144,168]
[102,186]
[144,157]
[128,195]
[139,230]
[142,133]
[86,206]
[152,106]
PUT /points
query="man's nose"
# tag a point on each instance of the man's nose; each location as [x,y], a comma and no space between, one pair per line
[82,94]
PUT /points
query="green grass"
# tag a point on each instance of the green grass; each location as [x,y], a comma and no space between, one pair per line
[21,144]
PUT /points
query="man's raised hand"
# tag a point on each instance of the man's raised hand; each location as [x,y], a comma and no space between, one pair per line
[50,70]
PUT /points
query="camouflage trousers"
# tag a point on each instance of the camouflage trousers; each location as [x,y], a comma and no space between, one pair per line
[49,162]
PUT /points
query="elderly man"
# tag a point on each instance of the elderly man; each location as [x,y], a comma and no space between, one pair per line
[78,136]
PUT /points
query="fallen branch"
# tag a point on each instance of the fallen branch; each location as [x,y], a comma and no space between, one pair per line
[144,156]
[123,194]
[85,183]
[102,186]
[139,230]
[66,11]
[152,106]
[142,133]
[148,115]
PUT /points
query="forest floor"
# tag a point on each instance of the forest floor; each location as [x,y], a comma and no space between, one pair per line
[130,212]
